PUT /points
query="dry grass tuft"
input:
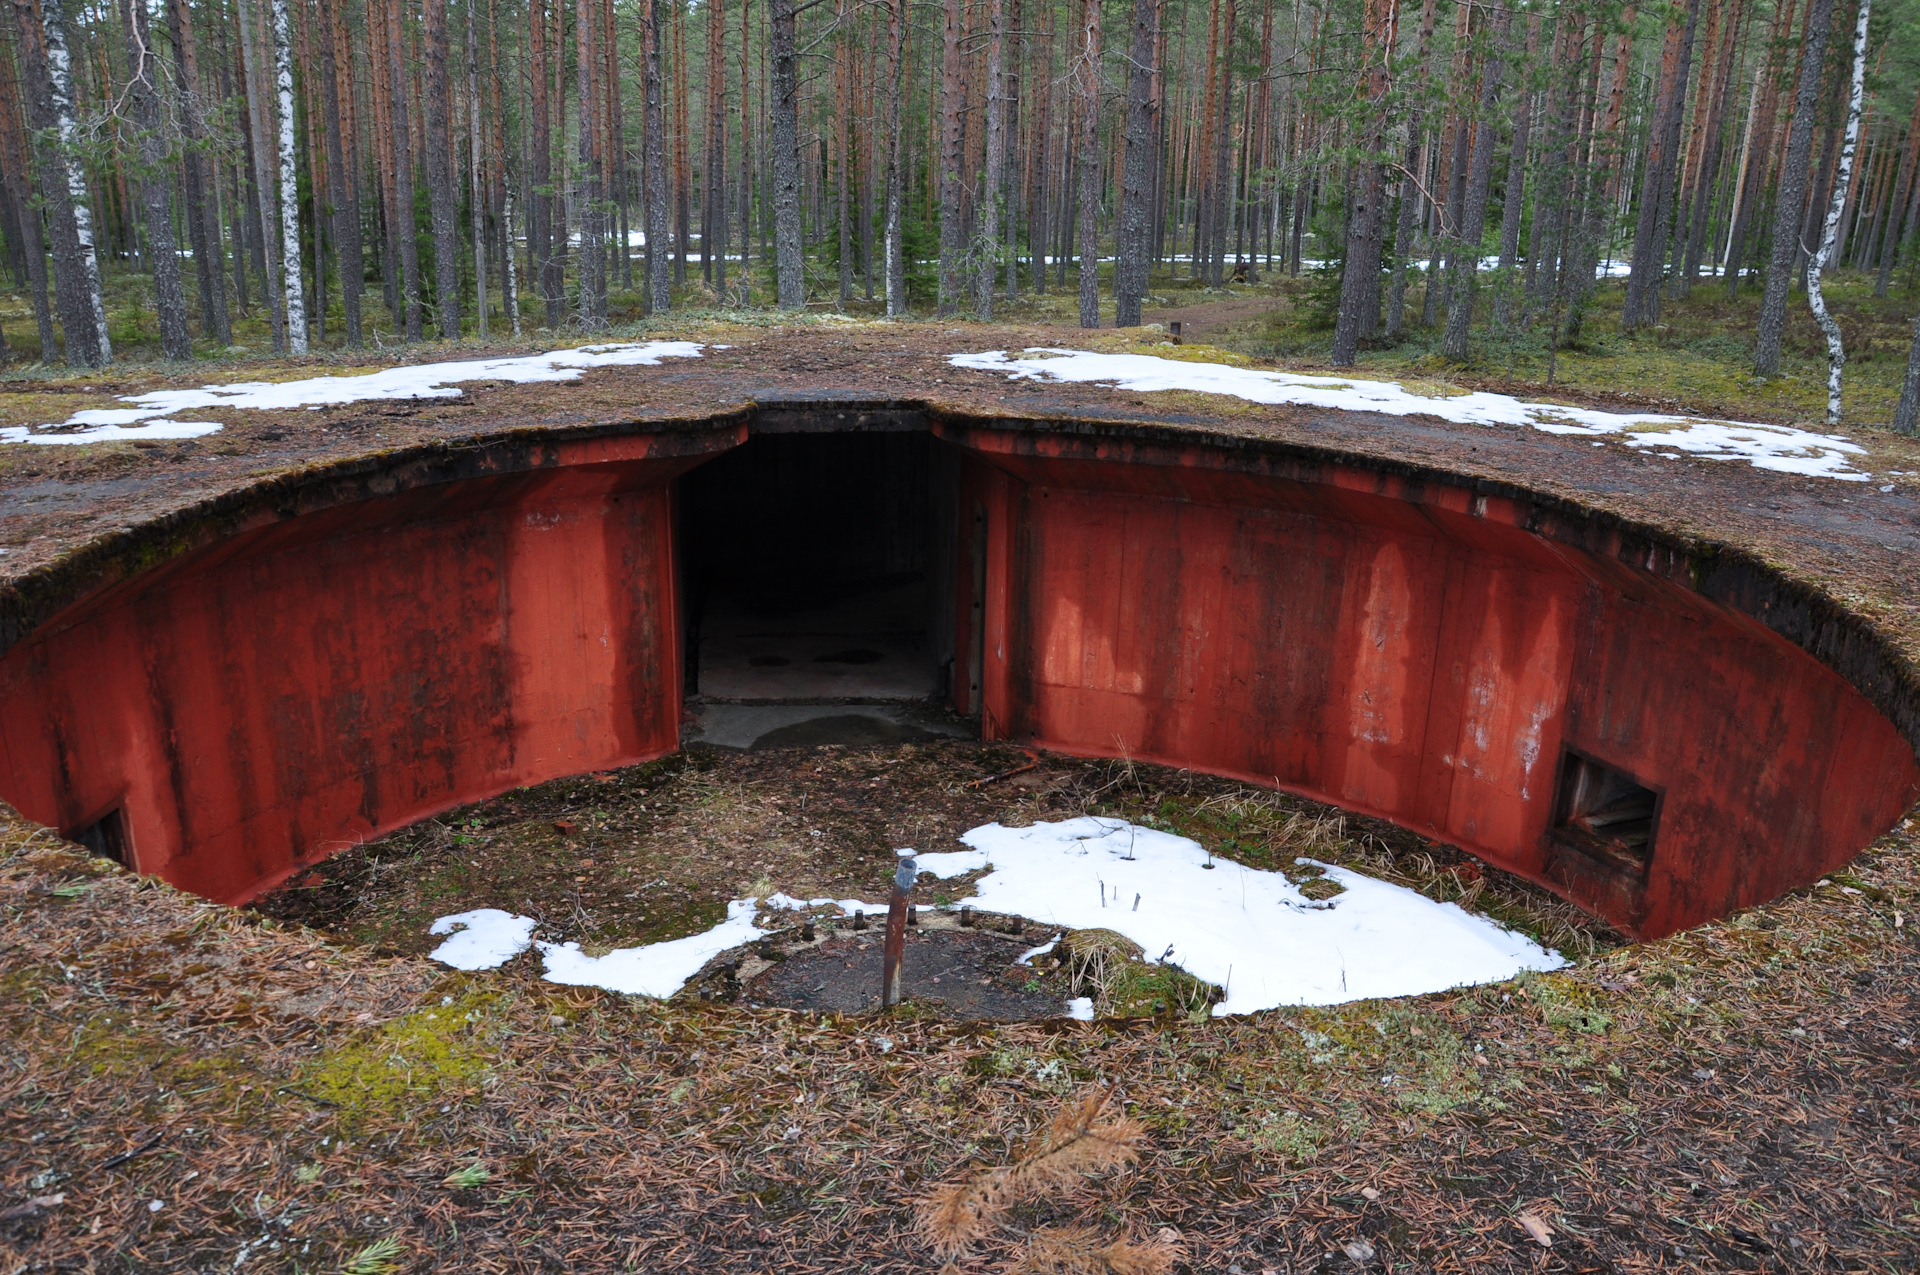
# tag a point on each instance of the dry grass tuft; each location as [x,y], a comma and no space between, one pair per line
[957,1214]
[1081,1250]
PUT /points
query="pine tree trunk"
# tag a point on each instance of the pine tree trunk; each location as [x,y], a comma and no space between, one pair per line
[654,174]
[1367,214]
[156,191]
[1906,196]
[843,144]
[1656,201]
[1836,207]
[477,215]
[986,243]
[1473,213]
[441,201]
[46,73]
[1130,269]
[895,250]
[24,212]
[1790,195]
[405,234]
[1513,199]
[540,166]
[713,243]
[789,263]
[346,200]
[592,270]
[1220,194]
[952,157]
[203,220]
[1086,76]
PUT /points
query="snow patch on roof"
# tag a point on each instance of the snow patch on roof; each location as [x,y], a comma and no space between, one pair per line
[149,417]
[1775,447]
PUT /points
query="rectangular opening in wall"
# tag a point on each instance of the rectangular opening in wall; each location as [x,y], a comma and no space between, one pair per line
[1606,813]
[106,837]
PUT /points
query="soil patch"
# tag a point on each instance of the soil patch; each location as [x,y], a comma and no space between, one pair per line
[966,974]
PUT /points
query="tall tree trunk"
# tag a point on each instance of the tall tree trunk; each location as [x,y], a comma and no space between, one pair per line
[1760,143]
[346,201]
[1086,75]
[16,161]
[1473,214]
[46,73]
[1906,195]
[718,214]
[203,219]
[1411,196]
[405,232]
[659,266]
[1656,204]
[1513,199]
[1708,176]
[843,143]
[1367,214]
[952,156]
[593,249]
[986,247]
[156,191]
[443,205]
[789,264]
[1790,196]
[1220,195]
[1830,232]
[540,168]
[477,216]
[1130,268]
[896,269]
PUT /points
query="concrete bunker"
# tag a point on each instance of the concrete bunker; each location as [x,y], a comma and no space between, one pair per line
[1641,725]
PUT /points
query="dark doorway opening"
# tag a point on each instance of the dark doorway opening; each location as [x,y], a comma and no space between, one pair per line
[106,837]
[818,567]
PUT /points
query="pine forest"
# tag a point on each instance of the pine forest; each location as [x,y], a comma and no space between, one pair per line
[184,177]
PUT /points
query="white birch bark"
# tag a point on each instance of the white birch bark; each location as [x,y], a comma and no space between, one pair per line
[60,71]
[289,186]
[513,279]
[1830,232]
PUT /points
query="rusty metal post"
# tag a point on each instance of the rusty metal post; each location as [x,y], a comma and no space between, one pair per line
[903,875]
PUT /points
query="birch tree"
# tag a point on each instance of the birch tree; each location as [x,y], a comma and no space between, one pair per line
[1830,231]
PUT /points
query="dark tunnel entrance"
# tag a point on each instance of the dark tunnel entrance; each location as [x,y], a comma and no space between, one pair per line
[819,567]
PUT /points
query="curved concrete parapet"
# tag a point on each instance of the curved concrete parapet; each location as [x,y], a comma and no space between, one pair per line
[1660,731]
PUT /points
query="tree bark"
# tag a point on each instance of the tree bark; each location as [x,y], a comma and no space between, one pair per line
[896,270]
[952,156]
[156,191]
[1130,270]
[1473,214]
[1830,232]
[659,278]
[592,271]
[714,242]
[15,164]
[441,202]
[405,235]
[1791,193]
[289,201]
[1366,215]
[47,78]
[346,202]
[1087,90]
[1513,199]
[789,263]
[986,247]
[477,215]
[1906,194]
[203,219]
[1656,202]
[1760,145]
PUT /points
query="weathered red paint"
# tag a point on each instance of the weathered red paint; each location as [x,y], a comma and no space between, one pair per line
[1400,646]
[1412,652]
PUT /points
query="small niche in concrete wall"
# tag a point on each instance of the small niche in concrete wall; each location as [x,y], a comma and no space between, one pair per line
[106,837]
[1606,814]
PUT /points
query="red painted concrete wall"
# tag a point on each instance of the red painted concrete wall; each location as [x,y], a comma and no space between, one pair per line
[1398,647]
[319,681]
[1412,653]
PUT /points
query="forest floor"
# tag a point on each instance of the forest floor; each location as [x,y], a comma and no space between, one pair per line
[1698,356]
[190,1087]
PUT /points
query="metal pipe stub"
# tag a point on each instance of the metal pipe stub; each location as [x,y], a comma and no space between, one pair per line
[903,876]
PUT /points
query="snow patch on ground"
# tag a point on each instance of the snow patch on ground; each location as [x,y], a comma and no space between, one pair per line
[148,418]
[482,939]
[1252,932]
[1776,447]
